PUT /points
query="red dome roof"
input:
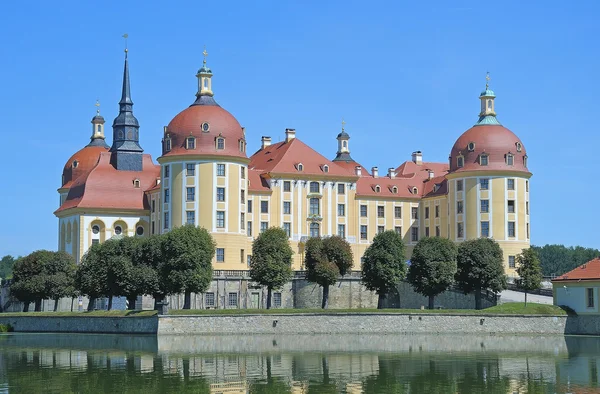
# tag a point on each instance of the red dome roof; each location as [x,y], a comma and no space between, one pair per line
[220,124]
[494,140]
[81,163]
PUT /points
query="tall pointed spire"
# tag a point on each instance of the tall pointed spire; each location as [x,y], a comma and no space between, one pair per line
[127,153]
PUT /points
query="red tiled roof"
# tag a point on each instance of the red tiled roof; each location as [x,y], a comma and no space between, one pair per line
[494,140]
[105,187]
[350,166]
[86,158]
[256,182]
[189,123]
[587,271]
[283,158]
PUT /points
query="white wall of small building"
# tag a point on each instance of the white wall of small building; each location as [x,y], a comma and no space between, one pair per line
[575,297]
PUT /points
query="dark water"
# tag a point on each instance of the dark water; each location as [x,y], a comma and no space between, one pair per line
[68,363]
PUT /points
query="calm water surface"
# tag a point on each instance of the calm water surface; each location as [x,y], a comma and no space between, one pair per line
[69,363]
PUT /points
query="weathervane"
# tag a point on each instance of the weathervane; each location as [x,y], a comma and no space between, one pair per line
[97,107]
[487,80]
[125,36]
[343,123]
[205,55]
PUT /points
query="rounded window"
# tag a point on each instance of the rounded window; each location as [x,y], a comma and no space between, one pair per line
[118,230]
[519,146]
[95,229]
[205,127]
[75,164]
[139,230]
[471,146]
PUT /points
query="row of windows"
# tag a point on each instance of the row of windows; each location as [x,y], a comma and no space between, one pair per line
[484,184]
[484,206]
[485,229]
[509,159]
[190,143]
[232,299]
[314,187]
[118,230]
[190,170]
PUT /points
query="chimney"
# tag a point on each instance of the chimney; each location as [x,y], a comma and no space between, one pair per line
[265,141]
[431,174]
[375,172]
[358,170]
[417,157]
[391,173]
[290,134]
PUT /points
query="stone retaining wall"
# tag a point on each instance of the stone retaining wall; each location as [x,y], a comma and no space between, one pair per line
[83,324]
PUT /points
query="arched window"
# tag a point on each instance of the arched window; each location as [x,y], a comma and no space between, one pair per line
[220,143]
[205,83]
[519,146]
[377,189]
[99,128]
[129,135]
[300,167]
[395,190]
[315,230]
[415,190]
[325,168]
[460,161]
[121,135]
[136,183]
[345,144]
[315,187]
[471,146]
[489,104]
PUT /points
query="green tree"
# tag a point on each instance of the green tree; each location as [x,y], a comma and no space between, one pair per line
[325,260]
[432,267]
[384,264]
[187,267]
[59,277]
[529,271]
[6,266]
[558,259]
[480,266]
[150,254]
[271,264]
[143,278]
[28,279]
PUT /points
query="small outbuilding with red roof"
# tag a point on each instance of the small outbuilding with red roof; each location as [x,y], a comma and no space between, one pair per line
[578,288]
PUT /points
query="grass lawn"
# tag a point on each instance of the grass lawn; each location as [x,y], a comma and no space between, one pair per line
[511,308]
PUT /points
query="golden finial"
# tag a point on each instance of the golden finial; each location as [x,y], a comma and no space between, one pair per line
[97,107]
[205,55]
[487,80]
[343,124]
[125,36]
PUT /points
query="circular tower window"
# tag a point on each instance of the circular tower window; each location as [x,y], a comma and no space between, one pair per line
[118,230]
[139,230]
[95,229]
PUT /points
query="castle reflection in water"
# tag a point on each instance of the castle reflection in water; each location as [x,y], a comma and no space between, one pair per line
[296,364]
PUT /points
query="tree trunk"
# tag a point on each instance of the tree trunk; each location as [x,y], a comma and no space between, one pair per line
[56,304]
[131,302]
[431,299]
[269,291]
[525,298]
[38,305]
[91,304]
[477,299]
[187,299]
[325,301]
[381,301]
[110,299]
[157,299]
[26,306]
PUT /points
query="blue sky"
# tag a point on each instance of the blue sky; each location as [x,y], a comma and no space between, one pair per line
[404,75]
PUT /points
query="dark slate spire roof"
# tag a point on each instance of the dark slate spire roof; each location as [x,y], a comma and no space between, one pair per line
[127,153]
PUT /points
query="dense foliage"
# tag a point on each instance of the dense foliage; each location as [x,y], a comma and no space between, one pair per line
[187,253]
[432,267]
[6,266]
[384,264]
[529,271]
[558,259]
[43,275]
[325,260]
[480,266]
[271,264]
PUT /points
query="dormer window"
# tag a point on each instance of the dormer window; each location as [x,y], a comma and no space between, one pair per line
[136,183]
[242,146]
[460,161]
[325,168]
[395,189]
[483,159]
[471,146]
[220,143]
[167,144]
[415,190]
[519,146]
[75,164]
[436,187]
[525,161]
[377,189]
[190,143]
[300,167]
[510,159]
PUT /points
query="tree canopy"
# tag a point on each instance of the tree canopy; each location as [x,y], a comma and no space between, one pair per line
[529,271]
[432,267]
[384,265]
[480,266]
[6,266]
[271,264]
[325,260]
[558,259]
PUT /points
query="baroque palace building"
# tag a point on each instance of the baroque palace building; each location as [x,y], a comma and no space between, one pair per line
[206,178]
